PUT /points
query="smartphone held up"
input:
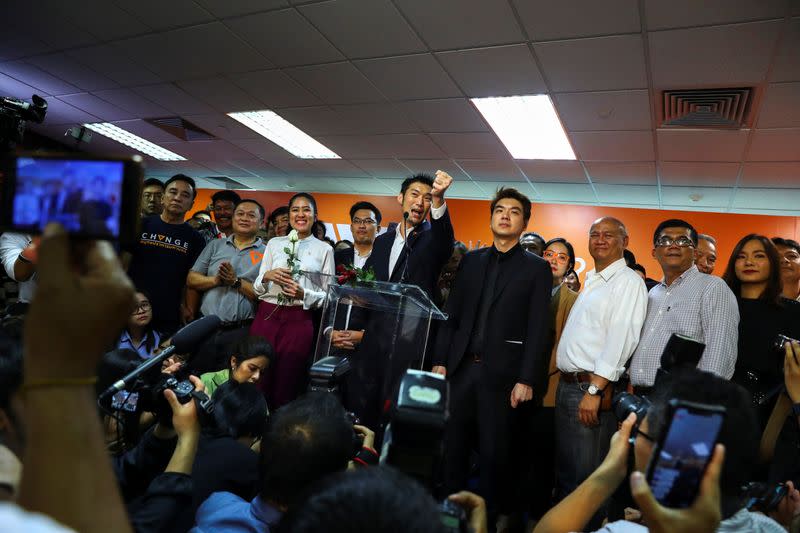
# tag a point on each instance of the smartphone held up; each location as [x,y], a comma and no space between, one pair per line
[92,198]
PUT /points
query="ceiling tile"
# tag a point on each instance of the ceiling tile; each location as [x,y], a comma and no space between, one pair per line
[701,145]
[430,166]
[133,103]
[60,112]
[339,168]
[445,116]
[607,110]
[222,126]
[356,119]
[471,145]
[627,194]
[491,187]
[100,18]
[613,145]
[565,192]
[696,196]
[471,190]
[114,64]
[214,50]
[258,167]
[274,88]
[720,55]
[172,98]
[399,77]
[97,107]
[62,66]
[262,148]
[681,13]
[491,170]
[767,199]
[53,29]
[553,171]
[221,94]
[628,173]
[448,24]
[704,209]
[224,168]
[207,150]
[595,64]
[336,83]
[382,168]
[787,60]
[17,89]
[226,8]
[161,15]
[781,106]
[775,145]
[409,145]
[146,130]
[703,174]
[495,71]
[368,186]
[279,34]
[770,175]
[170,168]
[16,43]
[548,21]
[386,34]
[35,77]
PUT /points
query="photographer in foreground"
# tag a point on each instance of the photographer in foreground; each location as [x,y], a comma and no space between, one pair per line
[718,506]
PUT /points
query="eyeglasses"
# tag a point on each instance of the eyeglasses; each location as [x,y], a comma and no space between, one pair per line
[560,258]
[144,306]
[364,221]
[666,240]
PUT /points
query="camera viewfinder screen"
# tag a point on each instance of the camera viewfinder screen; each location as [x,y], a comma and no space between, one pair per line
[83,196]
[682,460]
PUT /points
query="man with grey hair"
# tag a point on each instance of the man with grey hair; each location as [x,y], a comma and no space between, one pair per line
[705,255]
[599,337]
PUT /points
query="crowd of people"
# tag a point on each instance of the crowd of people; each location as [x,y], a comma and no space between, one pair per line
[532,358]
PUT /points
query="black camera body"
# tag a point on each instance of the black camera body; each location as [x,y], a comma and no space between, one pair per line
[328,375]
[763,497]
[149,397]
[625,403]
[14,114]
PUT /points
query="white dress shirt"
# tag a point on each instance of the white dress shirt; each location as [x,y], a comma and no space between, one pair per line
[360,260]
[313,254]
[11,245]
[604,325]
[399,241]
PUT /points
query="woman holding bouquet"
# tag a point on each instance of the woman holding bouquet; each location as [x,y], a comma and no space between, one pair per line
[287,298]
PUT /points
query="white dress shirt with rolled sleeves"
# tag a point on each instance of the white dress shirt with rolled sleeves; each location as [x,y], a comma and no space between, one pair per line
[603,328]
[399,241]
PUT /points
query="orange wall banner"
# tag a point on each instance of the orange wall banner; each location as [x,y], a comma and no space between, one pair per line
[471,221]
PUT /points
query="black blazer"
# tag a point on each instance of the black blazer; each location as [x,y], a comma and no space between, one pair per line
[431,244]
[344,257]
[518,328]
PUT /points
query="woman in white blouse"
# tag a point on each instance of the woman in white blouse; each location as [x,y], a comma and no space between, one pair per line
[286,321]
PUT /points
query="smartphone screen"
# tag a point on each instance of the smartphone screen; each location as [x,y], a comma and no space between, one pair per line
[84,196]
[678,464]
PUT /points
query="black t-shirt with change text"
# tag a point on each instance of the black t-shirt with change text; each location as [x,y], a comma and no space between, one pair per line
[161,260]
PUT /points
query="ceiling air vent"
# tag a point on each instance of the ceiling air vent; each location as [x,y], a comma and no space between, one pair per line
[181,128]
[224,182]
[707,108]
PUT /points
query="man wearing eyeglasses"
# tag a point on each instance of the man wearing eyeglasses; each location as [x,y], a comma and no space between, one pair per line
[365,222]
[686,302]
[152,197]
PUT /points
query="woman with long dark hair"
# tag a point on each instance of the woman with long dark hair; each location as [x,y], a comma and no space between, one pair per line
[753,274]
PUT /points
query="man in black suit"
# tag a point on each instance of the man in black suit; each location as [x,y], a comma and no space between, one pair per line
[492,351]
[365,222]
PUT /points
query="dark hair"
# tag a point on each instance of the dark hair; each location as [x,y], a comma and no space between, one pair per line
[772,294]
[282,210]
[363,501]
[305,195]
[201,212]
[349,244]
[240,409]
[149,182]
[534,235]
[250,347]
[365,205]
[788,243]
[261,209]
[675,223]
[630,258]
[577,277]
[740,431]
[148,329]
[416,178]
[112,366]
[639,268]
[226,196]
[568,246]
[508,192]
[707,237]
[305,441]
[184,178]
[317,225]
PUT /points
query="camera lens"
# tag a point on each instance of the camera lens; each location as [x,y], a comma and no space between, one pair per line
[625,403]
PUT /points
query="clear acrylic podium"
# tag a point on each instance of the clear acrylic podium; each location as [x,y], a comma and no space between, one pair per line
[396,320]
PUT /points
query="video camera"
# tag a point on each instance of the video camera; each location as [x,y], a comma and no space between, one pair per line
[14,115]
[147,395]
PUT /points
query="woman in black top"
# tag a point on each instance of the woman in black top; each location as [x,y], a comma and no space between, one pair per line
[753,274]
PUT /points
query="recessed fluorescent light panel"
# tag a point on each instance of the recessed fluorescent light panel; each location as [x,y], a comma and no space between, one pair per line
[127,138]
[527,125]
[284,134]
